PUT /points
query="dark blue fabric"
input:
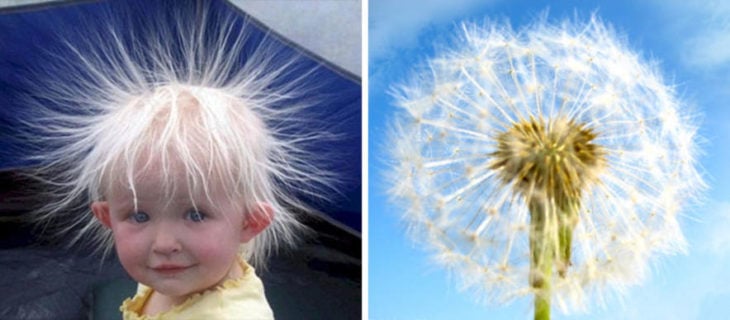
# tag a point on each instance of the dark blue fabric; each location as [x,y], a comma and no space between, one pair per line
[321,279]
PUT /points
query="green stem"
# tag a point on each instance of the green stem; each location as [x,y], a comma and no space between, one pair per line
[567,220]
[542,252]
[545,252]
[542,306]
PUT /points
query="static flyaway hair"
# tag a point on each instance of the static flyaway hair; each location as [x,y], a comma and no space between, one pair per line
[192,91]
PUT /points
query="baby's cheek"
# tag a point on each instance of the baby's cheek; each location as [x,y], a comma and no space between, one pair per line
[131,251]
[219,248]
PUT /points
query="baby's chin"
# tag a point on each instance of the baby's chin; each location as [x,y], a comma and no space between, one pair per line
[176,287]
[182,284]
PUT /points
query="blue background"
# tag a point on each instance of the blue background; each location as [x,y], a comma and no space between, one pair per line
[690,39]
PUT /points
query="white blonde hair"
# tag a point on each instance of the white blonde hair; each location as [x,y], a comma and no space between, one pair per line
[180,93]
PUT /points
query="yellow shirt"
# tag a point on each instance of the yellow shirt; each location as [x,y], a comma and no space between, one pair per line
[241,298]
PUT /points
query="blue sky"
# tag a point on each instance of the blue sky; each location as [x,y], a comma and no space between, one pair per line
[691,40]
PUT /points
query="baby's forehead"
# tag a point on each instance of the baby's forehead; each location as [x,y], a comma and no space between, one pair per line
[154,181]
[151,193]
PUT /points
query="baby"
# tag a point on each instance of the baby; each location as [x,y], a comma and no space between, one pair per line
[192,163]
[181,193]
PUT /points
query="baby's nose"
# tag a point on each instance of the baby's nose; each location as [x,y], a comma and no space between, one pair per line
[165,243]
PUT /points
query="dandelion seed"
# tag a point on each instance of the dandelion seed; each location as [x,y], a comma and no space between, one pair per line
[555,164]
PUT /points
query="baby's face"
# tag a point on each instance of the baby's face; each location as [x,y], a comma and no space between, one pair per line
[169,245]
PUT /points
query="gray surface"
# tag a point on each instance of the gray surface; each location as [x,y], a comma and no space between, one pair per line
[47,283]
[329,28]
[16,3]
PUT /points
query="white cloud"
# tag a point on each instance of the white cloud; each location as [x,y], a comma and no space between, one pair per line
[396,25]
[714,230]
[396,30]
[709,49]
[704,29]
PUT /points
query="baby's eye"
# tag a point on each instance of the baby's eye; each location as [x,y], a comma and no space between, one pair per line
[195,215]
[140,217]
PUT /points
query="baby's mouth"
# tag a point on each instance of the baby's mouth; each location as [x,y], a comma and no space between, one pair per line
[169,268]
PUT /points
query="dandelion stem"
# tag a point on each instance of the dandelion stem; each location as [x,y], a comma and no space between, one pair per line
[567,220]
[542,251]
[542,307]
[545,251]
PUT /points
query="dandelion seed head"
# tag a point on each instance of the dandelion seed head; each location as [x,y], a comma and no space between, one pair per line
[564,120]
[557,159]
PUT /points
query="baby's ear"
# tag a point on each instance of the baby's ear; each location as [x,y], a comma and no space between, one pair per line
[256,221]
[101,212]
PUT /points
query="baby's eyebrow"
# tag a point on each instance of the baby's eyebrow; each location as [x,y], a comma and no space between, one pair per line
[173,207]
[126,206]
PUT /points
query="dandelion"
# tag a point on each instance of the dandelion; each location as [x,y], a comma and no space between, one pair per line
[551,162]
